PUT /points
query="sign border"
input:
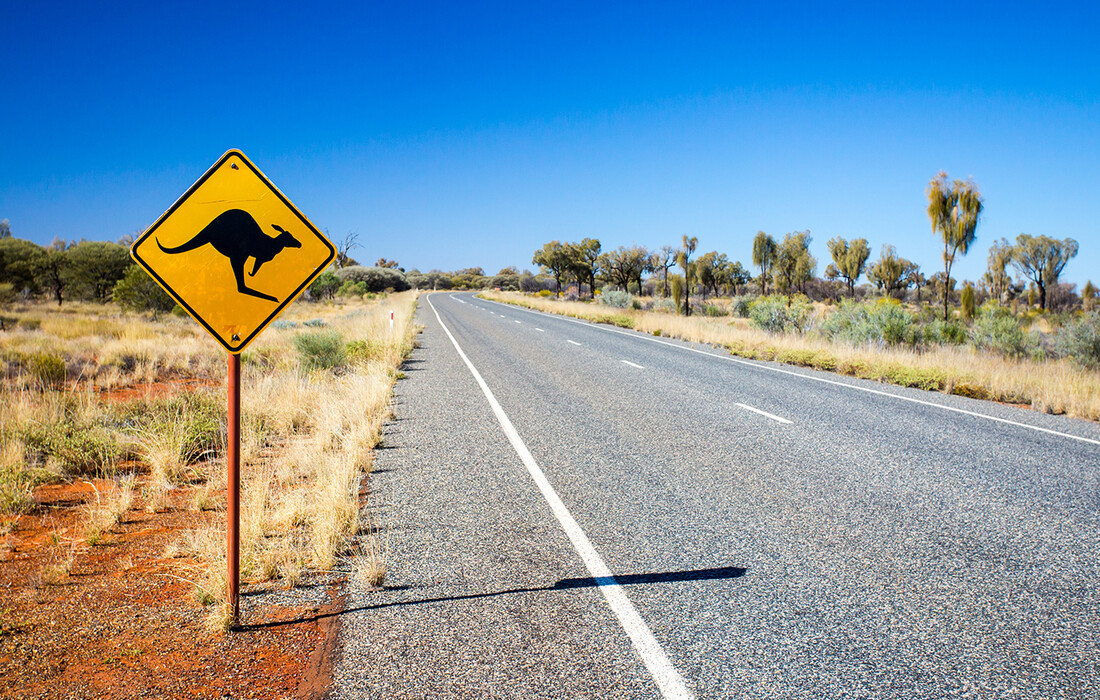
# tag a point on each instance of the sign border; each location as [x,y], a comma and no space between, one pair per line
[234,350]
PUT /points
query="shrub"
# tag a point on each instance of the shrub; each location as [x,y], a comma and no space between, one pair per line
[325,286]
[714,311]
[320,350]
[374,279]
[47,371]
[772,314]
[942,332]
[544,293]
[352,289]
[882,322]
[137,291]
[75,446]
[741,305]
[365,350]
[1005,335]
[1080,341]
[616,298]
[30,324]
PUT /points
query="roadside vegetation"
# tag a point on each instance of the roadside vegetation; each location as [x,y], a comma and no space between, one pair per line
[109,385]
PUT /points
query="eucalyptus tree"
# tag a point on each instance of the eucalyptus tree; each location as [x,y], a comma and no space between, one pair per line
[713,270]
[793,263]
[891,273]
[764,249]
[663,260]
[553,257]
[849,260]
[1042,259]
[954,209]
[584,261]
[737,276]
[683,259]
[1000,255]
[625,265]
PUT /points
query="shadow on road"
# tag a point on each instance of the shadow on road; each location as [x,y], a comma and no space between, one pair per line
[724,572]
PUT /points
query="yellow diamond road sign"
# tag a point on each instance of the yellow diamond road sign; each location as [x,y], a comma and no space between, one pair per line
[233,251]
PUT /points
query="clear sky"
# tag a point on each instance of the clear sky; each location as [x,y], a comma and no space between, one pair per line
[458,134]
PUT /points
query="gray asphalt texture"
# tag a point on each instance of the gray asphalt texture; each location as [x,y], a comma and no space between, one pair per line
[873,548]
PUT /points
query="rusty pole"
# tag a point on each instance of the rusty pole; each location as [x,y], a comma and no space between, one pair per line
[233,496]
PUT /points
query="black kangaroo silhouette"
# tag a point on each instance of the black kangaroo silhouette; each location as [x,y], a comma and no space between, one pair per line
[237,236]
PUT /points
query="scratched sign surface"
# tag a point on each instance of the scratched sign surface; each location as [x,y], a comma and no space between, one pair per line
[233,251]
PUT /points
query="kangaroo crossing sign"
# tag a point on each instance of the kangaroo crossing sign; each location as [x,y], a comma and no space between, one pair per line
[233,251]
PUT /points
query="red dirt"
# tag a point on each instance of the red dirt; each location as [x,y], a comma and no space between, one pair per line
[123,622]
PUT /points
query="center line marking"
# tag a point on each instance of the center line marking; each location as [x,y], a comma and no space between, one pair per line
[519,321]
[540,330]
[574,342]
[628,362]
[764,413]
[669,681]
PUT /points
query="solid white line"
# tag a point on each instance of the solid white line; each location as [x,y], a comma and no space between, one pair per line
[668,679]
[763,413]
[628,362]
[574,342]
[823,380]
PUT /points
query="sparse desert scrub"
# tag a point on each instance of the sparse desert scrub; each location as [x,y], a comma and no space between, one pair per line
[307,432]
[1052,385]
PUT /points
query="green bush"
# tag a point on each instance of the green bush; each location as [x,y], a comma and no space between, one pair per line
[1080,341]
[772,314]
[1003,333]
[73,446]
[714,311]
[47,371]
[199,416]
[325,286]
[882,322]
[942,332]
[138,291]
[320,350]
[742,305]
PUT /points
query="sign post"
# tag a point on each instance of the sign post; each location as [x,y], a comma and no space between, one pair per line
[234,252]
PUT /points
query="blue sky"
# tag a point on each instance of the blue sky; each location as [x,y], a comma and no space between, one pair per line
[455,134]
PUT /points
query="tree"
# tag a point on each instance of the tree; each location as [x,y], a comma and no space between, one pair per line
[793,264]
[967,301]
[916,279]
[713,270]
[52,270]
[389,264]
[139,292]
[96,266]
[584,262]
[683,259]
[954,209]
[554,258]
[764,250]
[325,286]
[1000,255]
[5,228]
[1042,259]
[1088,296]
[343,251]
[737,276]
[892,274]
[663,260]
[849,260]
[625,265]
[19,260]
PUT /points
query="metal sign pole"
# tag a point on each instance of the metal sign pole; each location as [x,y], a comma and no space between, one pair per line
[233,496]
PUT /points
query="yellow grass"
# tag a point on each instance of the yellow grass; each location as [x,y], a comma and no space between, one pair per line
[1052,386]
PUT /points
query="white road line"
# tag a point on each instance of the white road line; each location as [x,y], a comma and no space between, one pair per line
[763,413]
[519,321]
[628,362]
[540,330]
[668,679]
[823,380]
[574,342]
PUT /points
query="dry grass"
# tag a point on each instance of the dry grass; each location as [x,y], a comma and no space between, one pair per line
[1052,386]
[106,510]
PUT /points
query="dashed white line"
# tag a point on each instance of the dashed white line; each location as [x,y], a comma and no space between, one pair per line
[764,413]
[628,362]
[669,681]
[540,330]
[519,321]
[574,342]
[822,380]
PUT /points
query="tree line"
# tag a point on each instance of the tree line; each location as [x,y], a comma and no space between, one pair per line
[786,266]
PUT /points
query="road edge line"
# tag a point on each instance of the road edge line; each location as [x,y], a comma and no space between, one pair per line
[668,679]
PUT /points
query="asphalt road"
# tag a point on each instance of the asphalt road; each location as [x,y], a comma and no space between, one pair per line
[777,532]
